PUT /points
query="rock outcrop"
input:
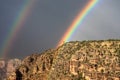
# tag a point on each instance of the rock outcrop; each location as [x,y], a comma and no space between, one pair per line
[12,64]
[7,67]
[85,60]
[2,69]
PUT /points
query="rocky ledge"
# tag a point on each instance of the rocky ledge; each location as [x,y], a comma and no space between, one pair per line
[75,60]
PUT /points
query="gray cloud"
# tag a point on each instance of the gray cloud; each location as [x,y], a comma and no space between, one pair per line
[101,23]
[49,20]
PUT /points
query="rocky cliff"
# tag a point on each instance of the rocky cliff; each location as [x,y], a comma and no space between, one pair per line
[76,60]
[7,67]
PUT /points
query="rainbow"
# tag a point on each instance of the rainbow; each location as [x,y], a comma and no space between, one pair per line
[16,26]
[77,21]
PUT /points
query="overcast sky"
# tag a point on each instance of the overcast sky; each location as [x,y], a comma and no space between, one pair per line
[49,19]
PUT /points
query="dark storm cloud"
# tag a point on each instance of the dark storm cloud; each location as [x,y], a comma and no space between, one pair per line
[43,28]
[49,19]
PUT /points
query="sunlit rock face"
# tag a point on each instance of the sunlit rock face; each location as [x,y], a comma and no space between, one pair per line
[7,67]
[75,60]
[12,64]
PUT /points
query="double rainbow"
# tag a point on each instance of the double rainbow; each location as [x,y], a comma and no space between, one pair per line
[77,21]
[25,11]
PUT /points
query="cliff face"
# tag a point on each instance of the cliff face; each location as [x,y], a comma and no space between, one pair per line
[7,67]
[86,60]
[2,69]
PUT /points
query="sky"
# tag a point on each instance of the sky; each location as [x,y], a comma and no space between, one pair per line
[48,20]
